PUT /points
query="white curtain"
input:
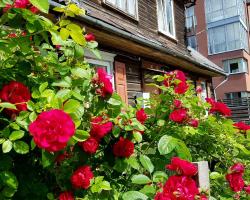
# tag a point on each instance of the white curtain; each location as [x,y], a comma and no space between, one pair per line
[131,5]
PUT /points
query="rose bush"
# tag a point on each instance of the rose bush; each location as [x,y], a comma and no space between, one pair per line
[65,133]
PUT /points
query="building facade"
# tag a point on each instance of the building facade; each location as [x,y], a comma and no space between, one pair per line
[142,38]
[219,30]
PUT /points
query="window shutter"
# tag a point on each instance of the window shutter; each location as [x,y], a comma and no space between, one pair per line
[121,80]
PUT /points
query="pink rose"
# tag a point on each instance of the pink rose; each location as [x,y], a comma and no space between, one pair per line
[179,115]
[181,187]
[123,148]
[52,130]
[177,103]
[141,116]
[237,168]
[100,128]
[80,179]
[90,37]
[247,189]
[194,123]
[162,196]
[15,93]
[90,146]
[68,195]
[103,83]
[235,181]
[182,167]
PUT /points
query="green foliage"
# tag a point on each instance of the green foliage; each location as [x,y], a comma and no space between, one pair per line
[49,60]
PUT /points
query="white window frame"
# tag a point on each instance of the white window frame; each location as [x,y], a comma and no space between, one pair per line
[115,6]
[107,60]
[242,65]
[160,21]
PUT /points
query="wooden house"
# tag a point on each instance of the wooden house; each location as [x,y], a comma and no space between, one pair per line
[141,38]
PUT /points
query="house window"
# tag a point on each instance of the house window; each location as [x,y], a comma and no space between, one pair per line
[192,42]
[127,6]
[227,37]
[235,66]
[190,18]
[106,62]
[166,17]
[223,9]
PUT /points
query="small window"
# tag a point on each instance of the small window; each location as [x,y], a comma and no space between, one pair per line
[166,17]
[190,18]
[235,66]
[127,6]
[192,42]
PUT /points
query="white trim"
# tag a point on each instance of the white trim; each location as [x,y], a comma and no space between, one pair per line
[159,17]
[107,60]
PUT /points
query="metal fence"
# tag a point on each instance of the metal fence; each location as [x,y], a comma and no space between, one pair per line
[240,108]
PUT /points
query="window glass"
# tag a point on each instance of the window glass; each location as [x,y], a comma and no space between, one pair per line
[234,66]
[227,38]
[127,6]
[166,17]
[192,42]
[190,17]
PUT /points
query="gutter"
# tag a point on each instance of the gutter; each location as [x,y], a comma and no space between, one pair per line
[109,28]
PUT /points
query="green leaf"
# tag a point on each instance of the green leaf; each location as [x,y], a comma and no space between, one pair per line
[8,105]
[78,38]
[64,33]
[32,144]
[16,135]
[79,72]
[47,159]
[75,9]
[42,5]
[134,195]
[166,144]
[64,94]
[9,179]
[160,176]
[74,28]
[64,22]
[215,175]
[81,135]
[137,136]
[115,100]
[32,116]
[133,162]
[146,163]
[140,179]
[7,146]
[21,147]
[183,151]
[71,106]
[43,86]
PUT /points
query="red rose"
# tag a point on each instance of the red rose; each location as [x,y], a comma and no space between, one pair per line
[162,196]
[194,123]
[247,189]
[7,7]
[181,187]
[100,128]
[61,157]
[242,126]
[123,148]
[34,9]
[81,177]
[15,93]
[198,90]
[179,115]
[141,116]
[237,168]
[177,103]
[181,88]
[203,197]
[235,181]
[178,80]
[21,3]
[52,130]
[90,145]
[90,37]
[104,85]
[182,167]
[66,196]
[218,107]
